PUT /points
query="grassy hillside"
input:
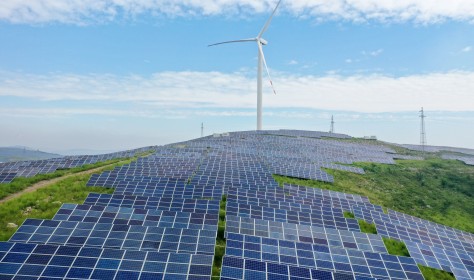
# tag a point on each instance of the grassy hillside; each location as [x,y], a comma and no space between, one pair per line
[434,189]
[43,203]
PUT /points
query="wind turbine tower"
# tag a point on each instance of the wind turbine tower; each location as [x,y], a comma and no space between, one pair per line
[261,62]
[332,124]
[422,130]
[202,129]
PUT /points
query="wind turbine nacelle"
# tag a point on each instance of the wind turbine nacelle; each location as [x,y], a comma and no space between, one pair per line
[263,41]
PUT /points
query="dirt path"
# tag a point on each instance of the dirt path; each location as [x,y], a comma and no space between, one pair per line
[46,183]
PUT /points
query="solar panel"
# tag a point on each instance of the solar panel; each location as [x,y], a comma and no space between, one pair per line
[7,177]
[281,215]
[237,268]
[118,236]
[431,239]
[307,234]
[131,216]
[320,192]
[22,260]
[318,201]
[458,262]
[416,222]
[158,203]
[349,261]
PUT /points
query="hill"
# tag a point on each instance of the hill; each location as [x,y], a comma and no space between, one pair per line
[9,154]
[280,204]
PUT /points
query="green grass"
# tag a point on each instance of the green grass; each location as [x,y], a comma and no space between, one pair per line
[349,215]
[220,241]
[434,189]
[43,203]
[435,274]
[364,226]
[19,184]
[395,247]
[367,227]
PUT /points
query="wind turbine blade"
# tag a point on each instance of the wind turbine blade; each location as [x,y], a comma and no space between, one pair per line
[234,41]
[260,49]
[265,27]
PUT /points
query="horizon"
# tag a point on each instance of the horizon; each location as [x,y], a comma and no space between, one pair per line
[80,152]
[115,76]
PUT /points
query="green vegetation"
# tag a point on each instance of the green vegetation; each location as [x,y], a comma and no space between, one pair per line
[434,189]
[367,227]
[364,226]
[19,184]
[44,203]
[349,215]
[220,241]
[395,247]
[435,274]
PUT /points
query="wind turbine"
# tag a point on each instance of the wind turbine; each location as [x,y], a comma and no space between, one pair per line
[261,60]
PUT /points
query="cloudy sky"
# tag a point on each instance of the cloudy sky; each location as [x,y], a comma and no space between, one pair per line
[105,75]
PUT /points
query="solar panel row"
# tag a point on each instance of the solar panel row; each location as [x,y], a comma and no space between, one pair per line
[322,257]
[118,236]
[309,234]
[282,215]
[11,170]
[32,261]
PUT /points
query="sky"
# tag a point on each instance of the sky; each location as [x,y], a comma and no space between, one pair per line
[107,75]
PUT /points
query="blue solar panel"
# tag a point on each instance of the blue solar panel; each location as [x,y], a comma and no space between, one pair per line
[132,216]
[308,234]
[118,236]
[156,203]
[317,256]
[52,261]
[238,268]
[281,215]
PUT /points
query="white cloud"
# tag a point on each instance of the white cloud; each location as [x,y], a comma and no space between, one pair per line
[372,53]
[467,49]
[451,91]
[293,62]
[348,60]
[376,53]
[91,11]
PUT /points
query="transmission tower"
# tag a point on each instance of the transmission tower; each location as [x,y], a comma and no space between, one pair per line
[422,130]
[332,124]
[202,129]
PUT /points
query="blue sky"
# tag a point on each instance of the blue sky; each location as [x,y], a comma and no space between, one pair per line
[109,75]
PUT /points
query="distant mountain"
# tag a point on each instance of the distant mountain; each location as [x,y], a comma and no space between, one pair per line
[8,154]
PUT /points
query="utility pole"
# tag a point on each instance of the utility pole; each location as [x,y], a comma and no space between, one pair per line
[422,130]
[332,124]
[202,129]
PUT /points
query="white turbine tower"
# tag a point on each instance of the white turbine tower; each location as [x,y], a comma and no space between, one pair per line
[261,59]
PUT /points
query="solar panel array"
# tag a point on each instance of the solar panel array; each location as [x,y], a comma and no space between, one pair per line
[353,262]
[161,221]
[12,170]
[32,261]
[118,236]
[309,234]
[466,159]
